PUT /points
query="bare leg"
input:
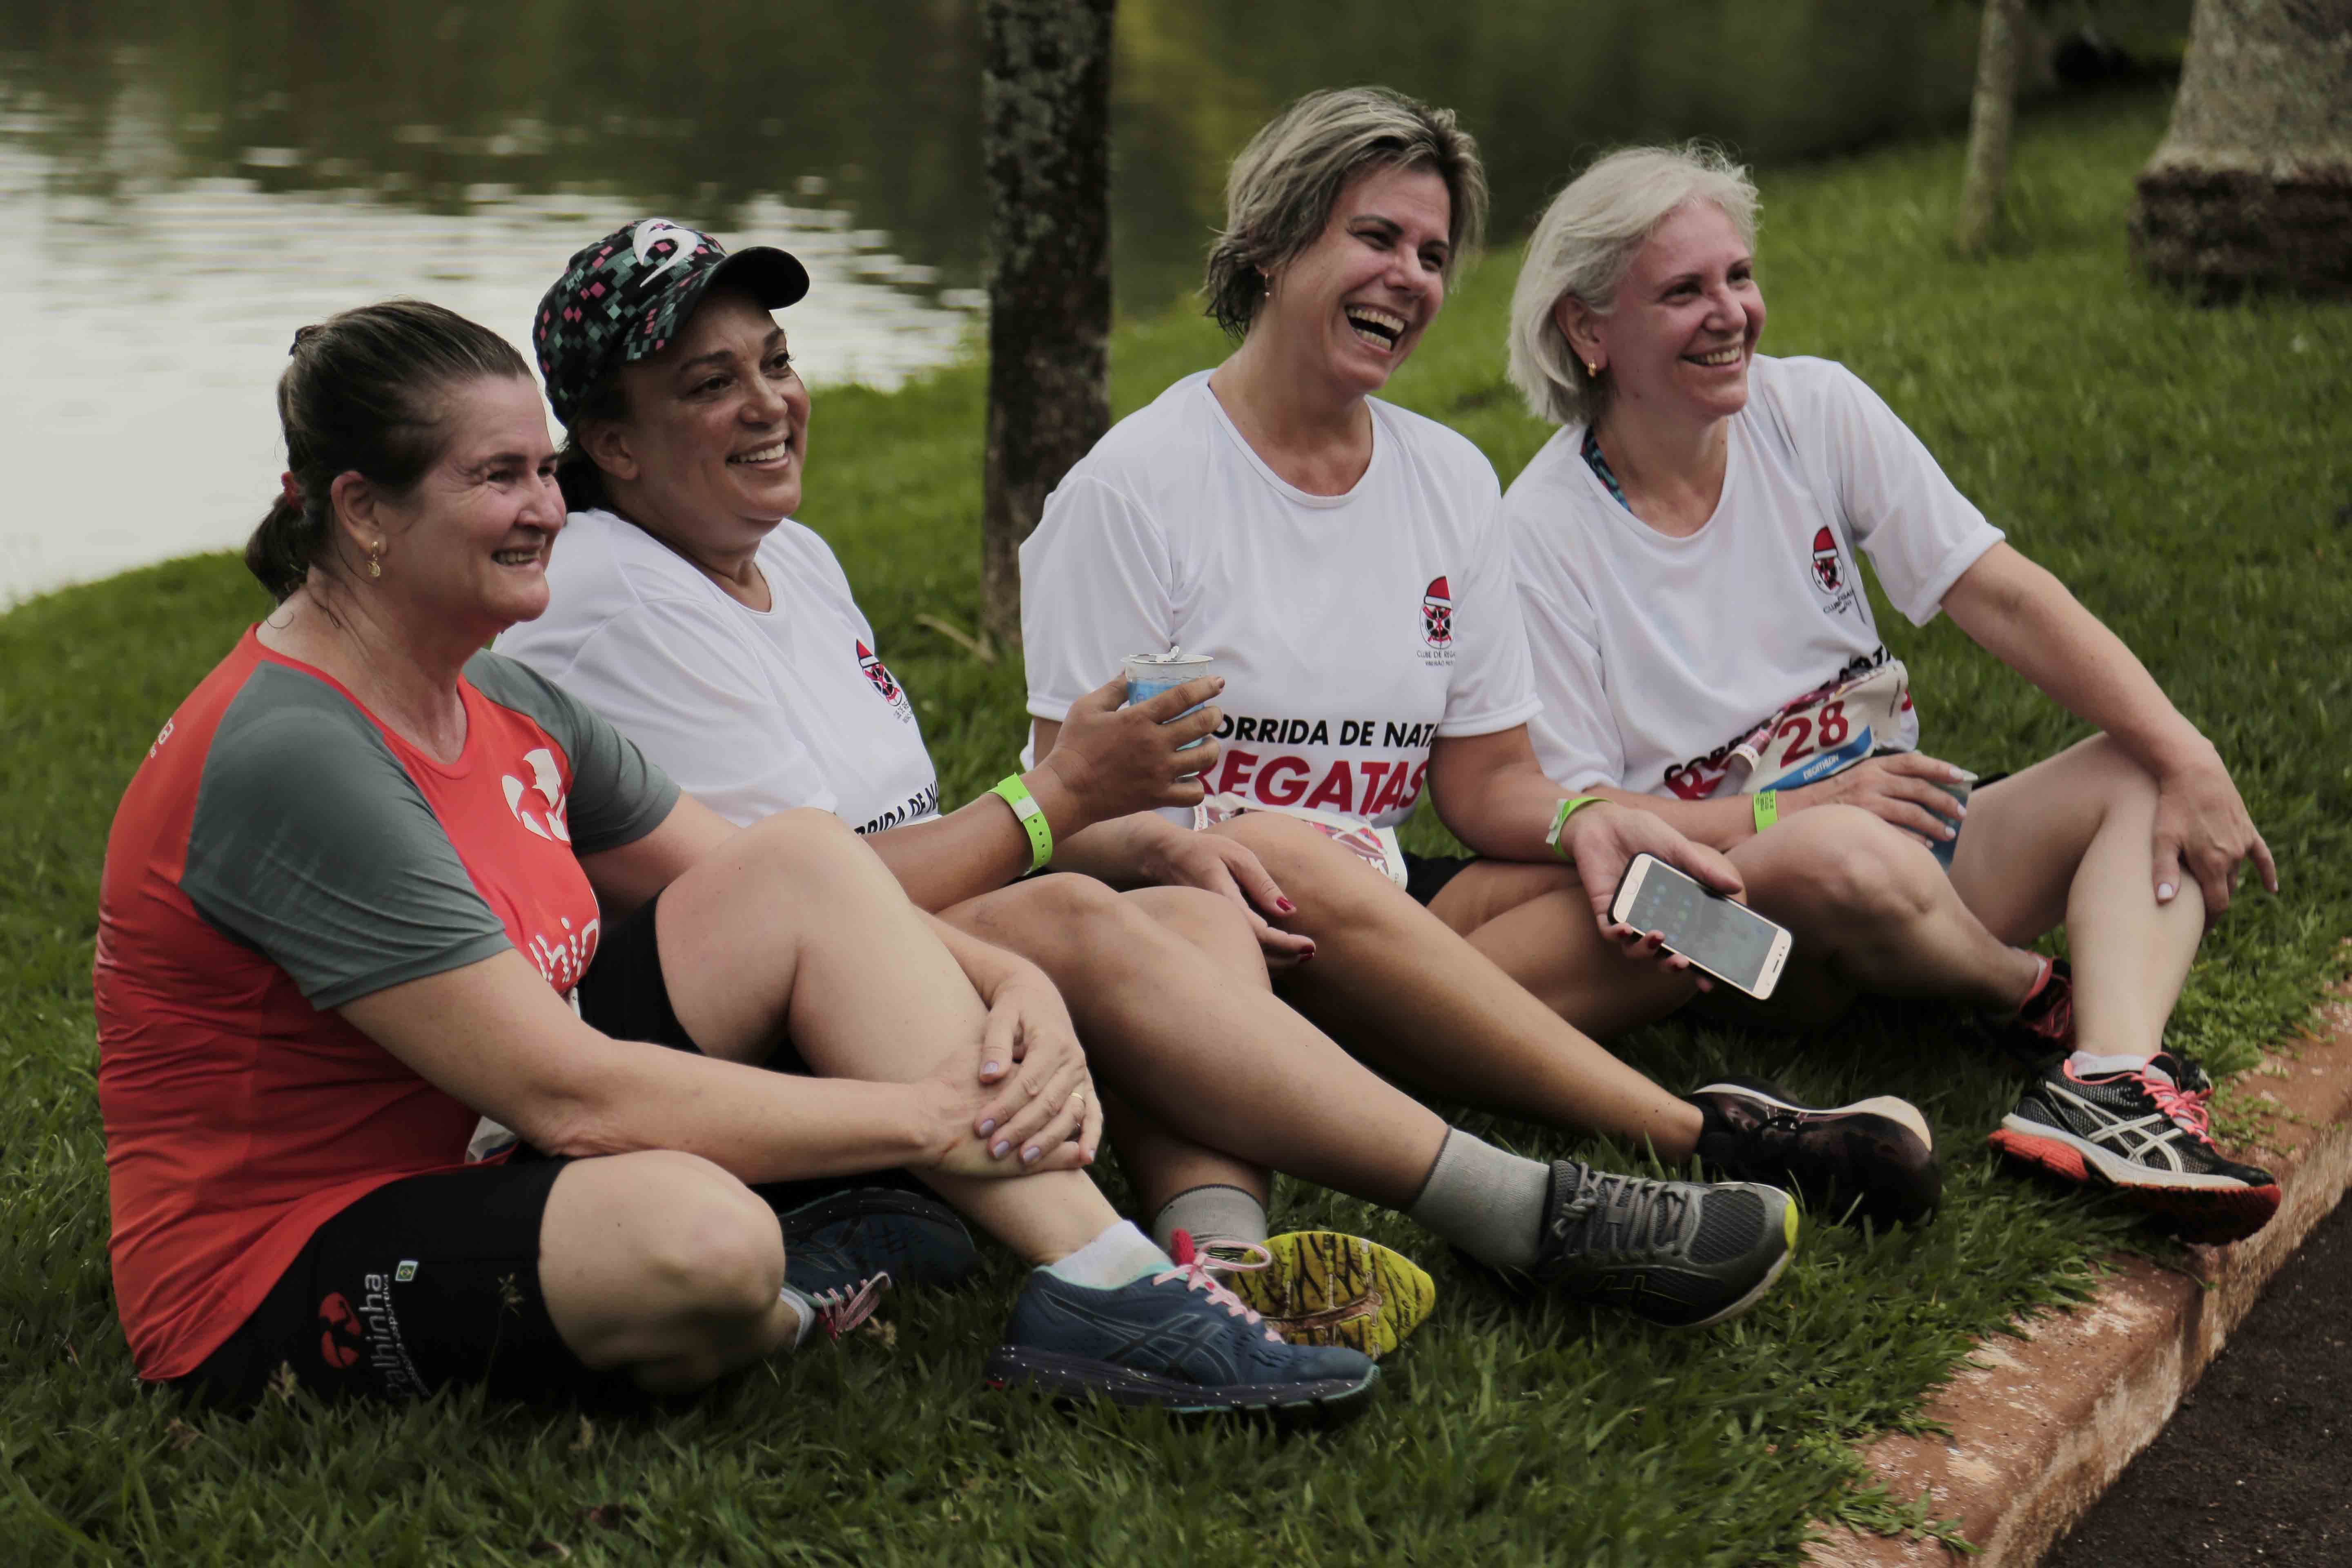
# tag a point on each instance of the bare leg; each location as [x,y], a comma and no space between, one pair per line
[1423,1001]
[1871,911]
[794,926]
[1534,922]
[662,1264]
[2071,838]
[1201,1048]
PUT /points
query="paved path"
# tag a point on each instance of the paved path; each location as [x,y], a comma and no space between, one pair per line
[2256,1468]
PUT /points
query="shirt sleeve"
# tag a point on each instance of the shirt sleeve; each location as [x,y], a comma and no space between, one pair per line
[617,796]
[678,684]
[311,842]
[1096,585]
[1575,735]
[1493,687]
[1920,531]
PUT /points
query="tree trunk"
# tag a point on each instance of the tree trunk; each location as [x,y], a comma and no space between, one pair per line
[2253,182]
[1046,136]
[1992,114]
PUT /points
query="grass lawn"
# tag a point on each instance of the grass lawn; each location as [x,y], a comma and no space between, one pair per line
[2186,471]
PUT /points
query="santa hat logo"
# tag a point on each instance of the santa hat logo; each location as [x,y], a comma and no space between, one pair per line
[1827,571]
[878,673]
[1437,614]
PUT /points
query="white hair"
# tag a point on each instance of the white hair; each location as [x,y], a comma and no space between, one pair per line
[1583,247]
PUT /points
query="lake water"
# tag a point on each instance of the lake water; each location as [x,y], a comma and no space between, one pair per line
[183,185]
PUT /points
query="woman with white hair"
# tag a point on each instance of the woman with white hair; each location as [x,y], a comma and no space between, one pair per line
[1685,552]
[1342,561]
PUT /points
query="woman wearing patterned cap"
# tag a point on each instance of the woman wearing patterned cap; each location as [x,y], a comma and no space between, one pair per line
[347,895]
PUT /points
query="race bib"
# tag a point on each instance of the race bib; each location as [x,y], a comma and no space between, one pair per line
[1377,846]
[1824,732]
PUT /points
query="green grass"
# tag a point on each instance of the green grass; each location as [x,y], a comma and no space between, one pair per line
[2186,469]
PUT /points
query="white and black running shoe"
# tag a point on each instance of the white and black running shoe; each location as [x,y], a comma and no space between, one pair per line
[1682,1254]
[2145,1130]
[1874,1159]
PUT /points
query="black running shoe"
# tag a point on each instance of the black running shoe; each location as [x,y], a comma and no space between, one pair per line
[1176,1339]
[1684,1254]
[1875,1158]
[2146,1131]
[836,1243]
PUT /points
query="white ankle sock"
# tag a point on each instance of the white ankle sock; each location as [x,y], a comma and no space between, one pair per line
[1217,1210]
[1119,1256]
[1488,1203]
[806,1308]
[2086,1065]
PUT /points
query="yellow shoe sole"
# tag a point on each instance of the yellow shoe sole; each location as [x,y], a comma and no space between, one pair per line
[1326,1289]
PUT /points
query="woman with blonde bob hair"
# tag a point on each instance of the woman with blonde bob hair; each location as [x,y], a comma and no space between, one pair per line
[1340,559]
[1685,554]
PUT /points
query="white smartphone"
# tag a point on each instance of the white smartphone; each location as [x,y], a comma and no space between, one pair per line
[1729,940]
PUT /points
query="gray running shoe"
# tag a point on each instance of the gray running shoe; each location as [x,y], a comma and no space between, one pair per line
[1682,1254]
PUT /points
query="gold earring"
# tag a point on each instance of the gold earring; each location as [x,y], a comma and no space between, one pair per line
[375,558]
[1592,370]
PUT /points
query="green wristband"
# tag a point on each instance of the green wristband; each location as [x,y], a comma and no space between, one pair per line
[1568,809]
[1024,806]
[1768,808]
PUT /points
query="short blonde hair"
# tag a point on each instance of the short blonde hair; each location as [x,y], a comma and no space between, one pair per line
[1280,191]
[1585,244]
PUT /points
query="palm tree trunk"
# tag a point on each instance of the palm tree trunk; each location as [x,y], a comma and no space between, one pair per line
[1992,114]
[2252,185]
[1045,138]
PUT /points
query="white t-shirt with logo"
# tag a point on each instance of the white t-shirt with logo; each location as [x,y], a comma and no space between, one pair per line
[1655,656]
[1352,630]
[751,711]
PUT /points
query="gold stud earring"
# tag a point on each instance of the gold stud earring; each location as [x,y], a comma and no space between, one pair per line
[375,558]
[1592,370]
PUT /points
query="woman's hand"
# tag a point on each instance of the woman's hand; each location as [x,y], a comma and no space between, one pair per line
[1037,1109]
[1602,841]
[2201,819]
[1115,760]
[1184,859]
[1899,788]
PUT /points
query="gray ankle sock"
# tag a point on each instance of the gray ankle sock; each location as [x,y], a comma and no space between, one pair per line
[1485,1202]
[1226,1213]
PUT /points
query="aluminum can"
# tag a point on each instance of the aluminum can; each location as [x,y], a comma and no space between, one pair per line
[1150,673]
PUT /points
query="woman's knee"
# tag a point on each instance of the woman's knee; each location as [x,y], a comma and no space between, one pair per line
[704,1244]
[1209,921]
[1845,863]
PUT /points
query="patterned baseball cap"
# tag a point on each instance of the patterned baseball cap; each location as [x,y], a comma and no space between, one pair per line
[625,297]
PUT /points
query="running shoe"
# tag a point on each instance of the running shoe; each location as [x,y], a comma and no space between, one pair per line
[1681,1254]
[1321,1287]
[2147,1131]
[2043,1027]
[845,1307]
[1176,1339]
[1874,1159]
[835,1243]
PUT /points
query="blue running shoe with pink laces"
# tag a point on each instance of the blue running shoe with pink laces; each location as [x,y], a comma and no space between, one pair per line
[1176,1339]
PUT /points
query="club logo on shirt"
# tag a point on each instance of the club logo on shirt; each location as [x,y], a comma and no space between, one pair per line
[878,674]
[340,1335]
[547,785]
[1829,572]
[1437,622]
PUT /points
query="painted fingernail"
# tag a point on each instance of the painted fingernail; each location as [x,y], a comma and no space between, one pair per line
[1030,1154]
[1085,1156]
[1286,906]
[999,1148]
[2164,891]
[992,1066]
[1950,831]
[988,1127]
[1963,811]
[1308,953]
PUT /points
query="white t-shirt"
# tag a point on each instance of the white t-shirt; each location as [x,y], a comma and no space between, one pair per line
[751,711]
[1655,656]
[1352,630]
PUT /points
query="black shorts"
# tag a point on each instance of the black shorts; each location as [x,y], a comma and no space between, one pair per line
[434,1279]
[427,1281]
[1425,876]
